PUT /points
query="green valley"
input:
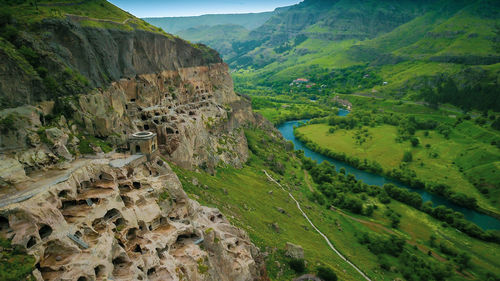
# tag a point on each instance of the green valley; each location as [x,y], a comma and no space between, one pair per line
[436,147]
[251,201]
[322,140]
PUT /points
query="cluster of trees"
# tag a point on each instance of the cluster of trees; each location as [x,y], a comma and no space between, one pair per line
[392,245]
[442,213]
[415,268]
[340,190]
[411,266]
[482,94]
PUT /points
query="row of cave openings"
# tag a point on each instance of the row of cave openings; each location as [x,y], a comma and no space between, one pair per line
[44,231]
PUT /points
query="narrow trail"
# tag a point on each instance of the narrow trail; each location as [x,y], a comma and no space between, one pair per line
[317,230]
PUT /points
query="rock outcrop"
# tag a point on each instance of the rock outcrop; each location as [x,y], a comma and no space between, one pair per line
[91,89]
[127,223]
[136,80]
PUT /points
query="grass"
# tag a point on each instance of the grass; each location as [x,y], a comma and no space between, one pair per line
[87,142]
[250,201]
[283,108]
[428,46]
[15,264]
[93,10]
[458,162]
[249,204]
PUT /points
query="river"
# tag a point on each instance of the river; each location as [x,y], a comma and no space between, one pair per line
[484,221]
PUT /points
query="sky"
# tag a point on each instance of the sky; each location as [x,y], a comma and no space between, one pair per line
[177,8]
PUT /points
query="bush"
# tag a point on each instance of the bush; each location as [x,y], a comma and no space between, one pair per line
[415,142]
[298,265]
[326,273]
[407,157]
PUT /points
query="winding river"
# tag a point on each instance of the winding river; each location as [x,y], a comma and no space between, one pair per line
[483,221]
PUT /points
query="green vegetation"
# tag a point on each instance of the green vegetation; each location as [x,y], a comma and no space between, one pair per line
[282,108]
[417,149]
[8,122]
[326,273]
[177,25]
[250,201]
[15,264]
[437,51]
[96,13]
[87,142]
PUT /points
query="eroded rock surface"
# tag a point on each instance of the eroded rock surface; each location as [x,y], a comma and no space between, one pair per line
[130,223]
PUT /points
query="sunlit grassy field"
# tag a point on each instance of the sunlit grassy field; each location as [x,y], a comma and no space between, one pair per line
[466,155]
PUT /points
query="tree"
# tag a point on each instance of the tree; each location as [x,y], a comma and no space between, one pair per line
[326,274]
[407,156]
[298,265]
[415,141]
[463,261]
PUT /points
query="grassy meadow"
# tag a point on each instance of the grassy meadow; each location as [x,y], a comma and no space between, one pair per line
[464,160]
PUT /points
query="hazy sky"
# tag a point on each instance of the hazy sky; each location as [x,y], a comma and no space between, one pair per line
[174,8]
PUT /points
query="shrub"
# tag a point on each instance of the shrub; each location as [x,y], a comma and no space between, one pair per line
[415,142]
[407,157]
[298,265]
[8,123]
[326,273]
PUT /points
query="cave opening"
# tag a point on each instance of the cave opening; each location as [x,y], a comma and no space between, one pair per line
[119,261]
[111,213]
[82,278]
[99,271]
[31,242]
[138,249]
[136,184]
[4,223]
[131,233]
[63,193]
[120,222]
[45,231]
[151,271]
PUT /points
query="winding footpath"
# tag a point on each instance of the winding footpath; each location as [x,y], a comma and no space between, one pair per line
[317,230]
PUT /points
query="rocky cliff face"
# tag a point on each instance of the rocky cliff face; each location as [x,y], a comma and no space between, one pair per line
[99,55]
[141,81]
[127,223]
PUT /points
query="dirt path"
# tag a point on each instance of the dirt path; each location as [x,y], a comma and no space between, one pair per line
[81,18]
[42,180]
[317,230]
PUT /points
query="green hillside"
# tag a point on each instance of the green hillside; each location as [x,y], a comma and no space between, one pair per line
[411,46]
[219,37]
[97,13]
[176,24]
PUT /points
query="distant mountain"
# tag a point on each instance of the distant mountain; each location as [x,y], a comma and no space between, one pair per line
[220,37]
[410,45]
[175,24]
